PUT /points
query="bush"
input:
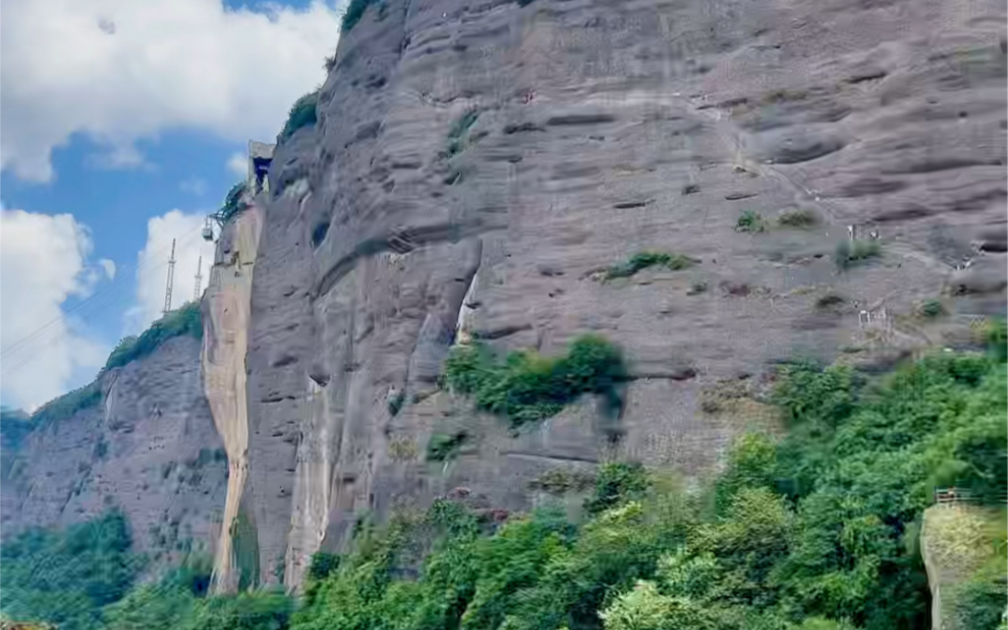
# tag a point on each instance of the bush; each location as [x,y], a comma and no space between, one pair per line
[617,483]
[798,219]
[322,565]
[932,308]
[980,603]
[750,221]
[526,387]
[187,320]
[829,300]
[643,260]
[302,113]
[850,253]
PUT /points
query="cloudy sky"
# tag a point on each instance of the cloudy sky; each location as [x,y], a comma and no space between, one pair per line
[122,124]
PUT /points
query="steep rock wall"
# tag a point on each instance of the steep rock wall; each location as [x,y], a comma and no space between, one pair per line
[502,155]
[226,306]
[149,448]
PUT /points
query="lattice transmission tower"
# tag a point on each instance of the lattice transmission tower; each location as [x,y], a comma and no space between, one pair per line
[171,279]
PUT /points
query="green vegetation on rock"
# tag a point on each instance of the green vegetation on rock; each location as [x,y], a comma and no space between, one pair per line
[66,576]
[798,218]
[302,112]
[184,321]
[849,254]
[643,260]
[750,221]
[354,12]
[813,531]
[526,387]
[233,203]
[68,404]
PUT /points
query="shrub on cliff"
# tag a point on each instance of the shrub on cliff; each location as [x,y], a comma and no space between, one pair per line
[354,12]
[525,386]
[68,404]
[184,321]
[302,114]
[643,260]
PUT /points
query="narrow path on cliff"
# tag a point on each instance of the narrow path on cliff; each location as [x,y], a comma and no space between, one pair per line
[718,120]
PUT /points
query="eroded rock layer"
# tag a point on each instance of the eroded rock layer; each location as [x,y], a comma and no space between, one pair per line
[483,163]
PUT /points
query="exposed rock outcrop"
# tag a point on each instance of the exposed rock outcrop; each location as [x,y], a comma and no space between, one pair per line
[955,541]
[149,447]
[226,306]
[479,164]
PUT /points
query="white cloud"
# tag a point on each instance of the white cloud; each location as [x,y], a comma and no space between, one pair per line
[120,70]
[109,266]
[238,165]
[193,185]
[119,158]
[152,266]
[43,261]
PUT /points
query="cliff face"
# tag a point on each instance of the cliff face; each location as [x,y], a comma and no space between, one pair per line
[474,171]
[149,447]
[226,306]
[482,163]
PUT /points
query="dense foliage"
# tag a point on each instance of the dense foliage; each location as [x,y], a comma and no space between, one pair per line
[184,321]
[302,112]
[816,531]
[67,576]
[525,386]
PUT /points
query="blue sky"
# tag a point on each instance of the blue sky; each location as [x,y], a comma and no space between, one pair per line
[124,123]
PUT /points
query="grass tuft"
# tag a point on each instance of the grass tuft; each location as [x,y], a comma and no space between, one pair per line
[798,219]
[750,221]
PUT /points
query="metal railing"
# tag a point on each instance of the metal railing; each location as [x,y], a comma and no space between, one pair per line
[958,496]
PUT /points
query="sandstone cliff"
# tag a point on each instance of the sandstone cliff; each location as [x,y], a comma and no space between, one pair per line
[226,303]
[485,162]
[147,445]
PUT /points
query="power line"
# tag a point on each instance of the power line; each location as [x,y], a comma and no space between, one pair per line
[115,285]
[88,311]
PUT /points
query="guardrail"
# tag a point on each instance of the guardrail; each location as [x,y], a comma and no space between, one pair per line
[956,496]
